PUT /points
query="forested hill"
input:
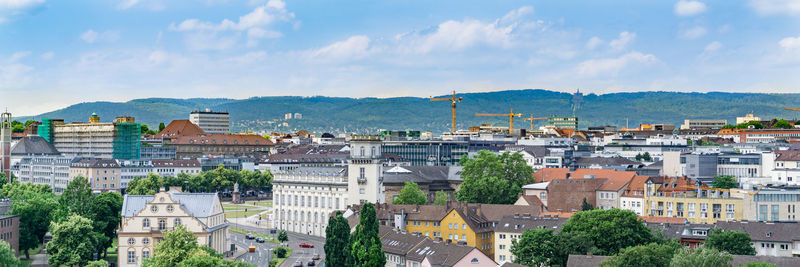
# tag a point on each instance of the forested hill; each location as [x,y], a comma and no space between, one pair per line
[336,114]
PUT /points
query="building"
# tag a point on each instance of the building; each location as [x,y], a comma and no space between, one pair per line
[431,253]
[768,135]
[609,194]
[145,218]
[428,152]
[110,140]
[365,170]
[769,205]
[787,167]
[38,162]
[569,123]
[769,239]
[305,197]
[103,174]
[129,169]
[430,179]
[212,122]
[747,118]
[9,226]
[157,152]
[219,144]
[669,198]
[174,167]
[5,144]
[397,244]
[178,128]
[702,124]
[632,197]
[512,226]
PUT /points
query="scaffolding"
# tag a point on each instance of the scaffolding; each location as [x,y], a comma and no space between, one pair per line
[45,130]
[127,140]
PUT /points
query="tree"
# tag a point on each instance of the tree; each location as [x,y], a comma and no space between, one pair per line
[282,236]
[586,206]
[646,156]
[106,209]
[653,254]
[98,263]
[280,252]
[73,242]
[493,179]
[536,247]
[76,199]
[161,127]
[145,186]
[174,248]
[611,230]
[34,204]
[146,130]
[365,243]
[783,124]
[733,242]
[578,243]
[7,257]
[441,198]
[701,257]
[337,237]
[410,194]
[724,182]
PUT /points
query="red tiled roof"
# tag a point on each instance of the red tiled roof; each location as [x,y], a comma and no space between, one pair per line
[548,174]
[223,139]
[178,128]
[616,179]
[655,219]
[637,184]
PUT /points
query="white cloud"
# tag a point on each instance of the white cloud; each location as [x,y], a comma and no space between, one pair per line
[127,4]
[790,42]
[624,39]
[713,46]
[594,42]
[91,36]
[14,4]
[18,55]
[772,7]
[516,15]
[252,23]
[47,55]
[693,33]
[689,8]
[157,57]
[355,47]
[613,66]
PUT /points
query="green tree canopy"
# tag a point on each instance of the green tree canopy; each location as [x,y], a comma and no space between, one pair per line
[441,198]
[34,204]
[611,230]
[733,242]
[337,238]
[410,194]
[493,179]
[783,124]
[701,257]
[535,247]
[179,248]
[76,199]
[73,242]
[7,257]
[653,254]
[282,236]
[98,263]
[145,186]
[161,127]
[725,182]
[586,206]
[365,242]
[106,210]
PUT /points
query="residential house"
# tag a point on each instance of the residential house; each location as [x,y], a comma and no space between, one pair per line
[632,197]
[511,228]
[698,204]
[103,174]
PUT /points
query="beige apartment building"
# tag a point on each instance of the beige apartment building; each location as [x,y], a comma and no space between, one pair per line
[146,218]
[103,174]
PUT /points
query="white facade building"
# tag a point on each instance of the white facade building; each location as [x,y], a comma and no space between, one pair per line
[129,169]
[173,167]
[212,122]
[365,170]
[52,170]
[305,197]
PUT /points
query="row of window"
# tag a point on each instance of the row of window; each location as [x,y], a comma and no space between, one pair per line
[162,223]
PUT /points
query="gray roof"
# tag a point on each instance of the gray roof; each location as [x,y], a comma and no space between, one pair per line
[318,171]
[606,161]
[422,174]
[399,243]
[439,253]
[94,163]
[519,224]
[765,231]
[199,205]
[585,260]
[33,144]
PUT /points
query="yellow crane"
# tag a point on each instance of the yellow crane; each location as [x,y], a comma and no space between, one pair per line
[533,119]
[452,100]
[510,116]
[793,109]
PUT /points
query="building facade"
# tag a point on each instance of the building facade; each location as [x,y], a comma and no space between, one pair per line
[129,169]
[174,167]
[103,174]
[146,218]
[305,197]
[45,169]
[365,170]
[212,122]
[696,206]
[114,140]
[702,124]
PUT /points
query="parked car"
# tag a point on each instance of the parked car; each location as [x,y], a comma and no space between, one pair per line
[249,236]
[315,257]
[260,239]
[311,263]
[306,245]
[298,264]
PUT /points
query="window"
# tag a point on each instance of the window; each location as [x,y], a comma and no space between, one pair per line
[774,213]
[362,172]
[177,222]
[703,210]
[463,237]
[146,223]
[729,211]
[170,208]
[463,226]
[362,191]
[146,254]
[131,256]
[131,241]
[691,210]
[153,208]
[162,224]
[146,241]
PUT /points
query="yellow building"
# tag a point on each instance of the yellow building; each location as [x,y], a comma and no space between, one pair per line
[469,224]
[697,206]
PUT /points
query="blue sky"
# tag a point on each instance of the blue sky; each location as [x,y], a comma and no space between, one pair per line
[57,53]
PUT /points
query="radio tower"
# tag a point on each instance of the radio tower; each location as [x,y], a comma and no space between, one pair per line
[577,97]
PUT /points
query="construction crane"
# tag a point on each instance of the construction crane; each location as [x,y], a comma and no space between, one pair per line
[510,116]
[534,119]
[452,100]
[793,109]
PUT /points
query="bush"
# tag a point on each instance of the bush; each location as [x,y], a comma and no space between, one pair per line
[273,263]
[280,252]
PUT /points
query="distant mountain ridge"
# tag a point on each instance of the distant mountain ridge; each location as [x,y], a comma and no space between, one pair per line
[368,115]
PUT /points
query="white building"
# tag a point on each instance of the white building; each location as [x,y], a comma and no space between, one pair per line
[702,124]
[146,218]
[129,169]
[365,183]
[212,122]
[173,167]
[747,118]
[787,167]
[37,161]
[305,197]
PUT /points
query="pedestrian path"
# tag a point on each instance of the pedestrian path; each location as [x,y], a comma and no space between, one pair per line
[40,259]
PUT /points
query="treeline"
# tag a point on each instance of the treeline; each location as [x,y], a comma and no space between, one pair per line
[219,179]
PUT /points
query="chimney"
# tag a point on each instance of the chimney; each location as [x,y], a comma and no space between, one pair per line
[478,210]
[568,175]
[416,208]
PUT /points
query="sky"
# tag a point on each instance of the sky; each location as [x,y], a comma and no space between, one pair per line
[57,53]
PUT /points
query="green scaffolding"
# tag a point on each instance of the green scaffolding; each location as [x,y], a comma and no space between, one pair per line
[127,140]
[45,130]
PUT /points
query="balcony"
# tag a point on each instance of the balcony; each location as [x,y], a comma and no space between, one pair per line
[362,180]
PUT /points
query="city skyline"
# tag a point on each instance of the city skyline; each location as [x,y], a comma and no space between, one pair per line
[123,50]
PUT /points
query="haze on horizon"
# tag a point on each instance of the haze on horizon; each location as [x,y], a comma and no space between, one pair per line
[57,53]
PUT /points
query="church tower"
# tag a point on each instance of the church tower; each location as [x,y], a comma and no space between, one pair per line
[5,144]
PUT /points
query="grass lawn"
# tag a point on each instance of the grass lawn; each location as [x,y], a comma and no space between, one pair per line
[241,213]
[239,207]
[265,203]
[266,237]
[24,263]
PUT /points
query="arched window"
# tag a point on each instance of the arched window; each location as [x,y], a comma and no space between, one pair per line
[373,152]
[302,216]
[131,256]
[146,223]
[315,217]
[362,151]
[177,222]
[162,224]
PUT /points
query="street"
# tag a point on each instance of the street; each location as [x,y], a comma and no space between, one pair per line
[260,257]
